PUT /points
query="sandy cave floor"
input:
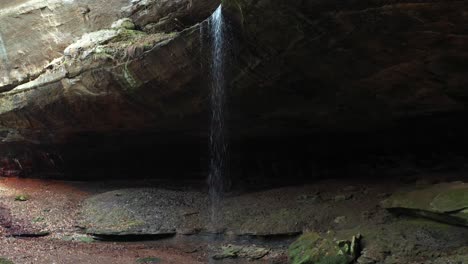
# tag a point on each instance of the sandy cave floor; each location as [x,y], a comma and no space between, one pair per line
[53,206]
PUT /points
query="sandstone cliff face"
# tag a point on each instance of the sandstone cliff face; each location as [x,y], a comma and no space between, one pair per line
[295,67]
[351,65]
[119,78]
[35,32]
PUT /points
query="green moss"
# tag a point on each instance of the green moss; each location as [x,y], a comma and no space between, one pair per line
[22,198]
[127,24]
[38,219]
[78,238]
[451,200]
[131,80]
[128,35]
[151,40]
[5,261]
[149,260]
[228,252]
[304,250]
[103,53]
[338,259]
[85,239]
[311,248]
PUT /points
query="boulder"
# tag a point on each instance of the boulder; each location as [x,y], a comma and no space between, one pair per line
[144,212]
[445,202]
[151,211]
[408,240]
[312,248]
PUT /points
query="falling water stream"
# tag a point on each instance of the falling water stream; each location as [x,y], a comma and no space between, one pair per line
[3,61]
[218,145]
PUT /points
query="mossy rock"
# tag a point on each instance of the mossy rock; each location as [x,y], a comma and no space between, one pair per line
[125,23]
[228,252]
[128,35]
[248,252]
[407,239]
[311,248]
[451,200]
[22,198]
[140,212]
[446,202]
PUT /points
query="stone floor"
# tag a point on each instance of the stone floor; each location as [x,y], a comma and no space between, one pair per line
[44,221]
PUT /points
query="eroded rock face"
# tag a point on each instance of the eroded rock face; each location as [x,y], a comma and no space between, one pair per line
[347,65]
[295,67]
[40,30]
[116,78]
[168,15]
[35,32]
[120,76]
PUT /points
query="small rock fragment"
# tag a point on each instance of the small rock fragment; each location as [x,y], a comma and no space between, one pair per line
[340,220]
[248,252]
[22,198]
[125,23]
[343,197]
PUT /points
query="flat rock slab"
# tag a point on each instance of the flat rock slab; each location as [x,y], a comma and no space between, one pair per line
[248,252]
[409,240]
[141,212]
[147,211]
[446,202]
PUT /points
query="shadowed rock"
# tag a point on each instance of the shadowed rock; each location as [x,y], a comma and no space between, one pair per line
[447,202]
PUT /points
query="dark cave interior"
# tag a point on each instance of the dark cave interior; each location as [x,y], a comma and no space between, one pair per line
[423,144]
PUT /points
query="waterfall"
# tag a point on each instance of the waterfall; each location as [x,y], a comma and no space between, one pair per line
[4,62]
[218,145]
[3,52]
